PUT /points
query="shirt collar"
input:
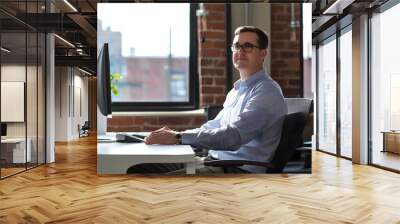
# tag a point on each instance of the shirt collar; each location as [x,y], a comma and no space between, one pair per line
[250,81]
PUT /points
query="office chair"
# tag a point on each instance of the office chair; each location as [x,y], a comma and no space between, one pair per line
[291,138]
[303,151]
[212,111]
[294,105]
[299,105]
[84,130]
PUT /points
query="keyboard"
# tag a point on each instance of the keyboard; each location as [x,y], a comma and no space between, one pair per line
[139,135]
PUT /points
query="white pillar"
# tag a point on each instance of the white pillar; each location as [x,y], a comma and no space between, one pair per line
[360,90]
[50,101]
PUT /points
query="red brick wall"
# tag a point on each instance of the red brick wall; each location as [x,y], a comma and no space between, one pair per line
[285,61]
[150,123]
[212,53]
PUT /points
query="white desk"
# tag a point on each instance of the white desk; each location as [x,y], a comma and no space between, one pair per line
[116,158]
[18,151]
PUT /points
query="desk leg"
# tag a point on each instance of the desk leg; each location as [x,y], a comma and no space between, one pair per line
[190,168]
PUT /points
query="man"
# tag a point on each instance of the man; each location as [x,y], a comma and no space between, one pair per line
[250,123]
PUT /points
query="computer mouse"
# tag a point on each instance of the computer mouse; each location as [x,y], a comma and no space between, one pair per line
[124,137]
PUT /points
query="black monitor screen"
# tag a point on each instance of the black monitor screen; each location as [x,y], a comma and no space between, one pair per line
[3,129]
[103,81]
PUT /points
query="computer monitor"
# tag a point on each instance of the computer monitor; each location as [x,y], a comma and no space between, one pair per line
[3,129]
[103,81]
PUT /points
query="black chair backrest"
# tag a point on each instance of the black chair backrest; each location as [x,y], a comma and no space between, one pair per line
[299,105]
[291,137]
[302,105]
[213,110]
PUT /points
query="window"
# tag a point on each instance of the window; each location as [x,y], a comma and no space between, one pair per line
[385,86]
[345,42]
[152,54]
[327,95]
[334,97]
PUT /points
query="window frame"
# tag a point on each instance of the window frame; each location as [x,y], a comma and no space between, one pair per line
[332,37]
[193,102]
[377,10]
[346,29]
[332,33]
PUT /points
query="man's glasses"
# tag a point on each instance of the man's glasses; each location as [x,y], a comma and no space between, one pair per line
[246,47]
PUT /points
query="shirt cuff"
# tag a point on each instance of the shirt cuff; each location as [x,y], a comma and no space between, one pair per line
[188,138]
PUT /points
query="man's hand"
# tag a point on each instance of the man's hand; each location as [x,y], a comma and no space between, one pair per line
[163,136]
[165,128]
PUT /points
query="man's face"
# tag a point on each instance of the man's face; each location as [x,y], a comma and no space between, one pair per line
[248,60]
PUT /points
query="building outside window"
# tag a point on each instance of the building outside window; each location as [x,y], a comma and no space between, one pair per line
[150,50]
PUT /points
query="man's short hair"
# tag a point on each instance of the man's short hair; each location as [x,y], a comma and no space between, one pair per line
[261,34]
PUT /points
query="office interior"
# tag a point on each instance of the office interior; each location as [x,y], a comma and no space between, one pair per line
[45,89]
[349,69]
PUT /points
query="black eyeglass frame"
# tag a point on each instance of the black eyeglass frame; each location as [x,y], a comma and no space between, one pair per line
[246,47]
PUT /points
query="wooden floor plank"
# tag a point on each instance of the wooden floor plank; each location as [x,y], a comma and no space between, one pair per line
[70,191]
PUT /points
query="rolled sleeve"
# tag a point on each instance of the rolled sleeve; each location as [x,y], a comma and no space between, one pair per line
[224,138]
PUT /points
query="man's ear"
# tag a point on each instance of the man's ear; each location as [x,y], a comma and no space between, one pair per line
[264,52]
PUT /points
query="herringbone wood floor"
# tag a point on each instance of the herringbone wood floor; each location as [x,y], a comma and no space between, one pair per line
[69,191]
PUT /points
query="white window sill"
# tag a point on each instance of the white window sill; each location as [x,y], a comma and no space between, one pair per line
[198,112]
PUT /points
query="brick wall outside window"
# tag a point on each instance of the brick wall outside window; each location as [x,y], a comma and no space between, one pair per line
[285,68]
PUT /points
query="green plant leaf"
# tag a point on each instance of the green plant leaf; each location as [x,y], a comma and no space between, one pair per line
[115,77]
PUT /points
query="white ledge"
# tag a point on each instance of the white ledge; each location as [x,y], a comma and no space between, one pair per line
[161,113]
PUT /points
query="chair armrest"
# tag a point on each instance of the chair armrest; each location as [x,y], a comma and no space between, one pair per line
[229,163]
[303,149]
[307,144]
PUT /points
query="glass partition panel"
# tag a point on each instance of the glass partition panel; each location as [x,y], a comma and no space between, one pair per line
[32,87]
[22,89]
[327,96]
[41,98]
[14,152]
[346,94]
[31,98]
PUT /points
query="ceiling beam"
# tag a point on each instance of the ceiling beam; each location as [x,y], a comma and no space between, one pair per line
[81,61]
[85,25]
[337,7]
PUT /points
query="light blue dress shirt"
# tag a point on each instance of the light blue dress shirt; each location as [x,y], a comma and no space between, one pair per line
[249,125]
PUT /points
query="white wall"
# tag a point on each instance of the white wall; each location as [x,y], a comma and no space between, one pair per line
[71,102]
[14,73]
[80,109]
[12,101]
[61,103]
